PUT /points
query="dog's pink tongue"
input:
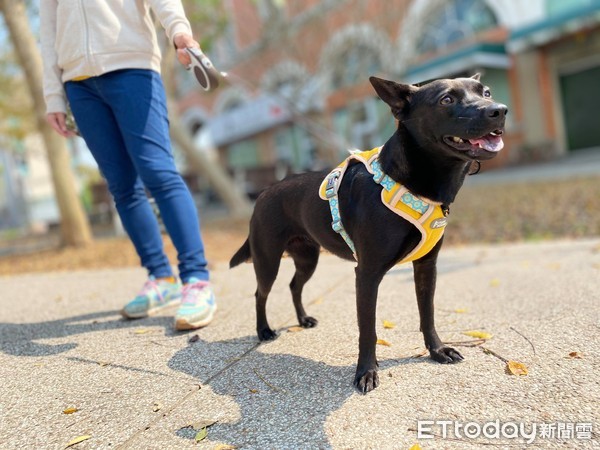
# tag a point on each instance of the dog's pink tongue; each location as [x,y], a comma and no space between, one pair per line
[490,143]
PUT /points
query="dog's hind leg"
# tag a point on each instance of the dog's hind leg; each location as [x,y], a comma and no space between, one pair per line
[306,256]
[266,259]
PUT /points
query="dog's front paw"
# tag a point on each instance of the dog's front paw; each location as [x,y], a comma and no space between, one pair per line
[308,322]
[266,334]
[445,355]
[366,381]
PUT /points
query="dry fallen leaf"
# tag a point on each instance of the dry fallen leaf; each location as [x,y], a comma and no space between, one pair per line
[142,331]
[383,342]
[200,427]
[460,310]
[103,363]
[294,329]
[224,447]
[253,391]
[70,410]
[478,334]
[516,368]
[389,325]
[318,301]
[77,440]
[415,447]
[576,355]
[201,434]
[156,406]
[494,282]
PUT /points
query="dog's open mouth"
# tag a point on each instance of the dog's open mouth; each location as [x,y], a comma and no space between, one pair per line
[491,142]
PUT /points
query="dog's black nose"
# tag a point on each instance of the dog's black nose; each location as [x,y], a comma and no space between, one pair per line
[497,110]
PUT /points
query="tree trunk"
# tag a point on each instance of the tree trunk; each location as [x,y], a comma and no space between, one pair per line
[237,203]
[75,228]
[239,206]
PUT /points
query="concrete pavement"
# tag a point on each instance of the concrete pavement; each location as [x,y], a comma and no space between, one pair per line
[580,163]
[139,385]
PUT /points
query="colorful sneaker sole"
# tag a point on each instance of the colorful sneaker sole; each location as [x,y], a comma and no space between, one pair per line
[151,311]
[183,324]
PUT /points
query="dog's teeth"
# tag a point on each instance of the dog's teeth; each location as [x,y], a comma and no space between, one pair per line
[457,139]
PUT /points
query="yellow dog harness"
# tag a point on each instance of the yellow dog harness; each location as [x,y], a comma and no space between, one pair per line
[427,216]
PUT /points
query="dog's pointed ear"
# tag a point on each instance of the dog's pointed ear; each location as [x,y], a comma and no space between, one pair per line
[476,77]
[396,95]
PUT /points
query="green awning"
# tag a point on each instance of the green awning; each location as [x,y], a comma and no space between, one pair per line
[480,55]
[554,26]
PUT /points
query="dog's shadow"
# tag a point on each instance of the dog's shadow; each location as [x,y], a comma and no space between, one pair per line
[283,400]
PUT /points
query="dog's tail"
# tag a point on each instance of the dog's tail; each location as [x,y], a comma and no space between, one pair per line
[242,255]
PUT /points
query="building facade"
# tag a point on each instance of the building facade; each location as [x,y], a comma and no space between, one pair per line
[298,96]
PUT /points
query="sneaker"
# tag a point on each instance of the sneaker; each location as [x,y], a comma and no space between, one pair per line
[198,305]
[154,296]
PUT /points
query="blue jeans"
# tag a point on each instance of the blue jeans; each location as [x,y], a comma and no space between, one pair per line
[122,116]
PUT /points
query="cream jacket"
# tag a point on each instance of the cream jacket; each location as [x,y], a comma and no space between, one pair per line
[91,37]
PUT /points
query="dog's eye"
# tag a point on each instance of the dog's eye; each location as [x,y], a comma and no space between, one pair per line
[487,93]
[446,100]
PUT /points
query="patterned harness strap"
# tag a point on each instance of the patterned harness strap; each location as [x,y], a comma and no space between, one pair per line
[331,189]
[333,184]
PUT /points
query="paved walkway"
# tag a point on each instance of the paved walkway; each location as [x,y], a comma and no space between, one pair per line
[139,385]
[580,163]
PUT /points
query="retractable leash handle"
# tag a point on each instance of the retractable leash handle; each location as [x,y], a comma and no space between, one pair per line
[203,69]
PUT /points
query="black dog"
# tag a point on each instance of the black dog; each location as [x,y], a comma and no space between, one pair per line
[443,127]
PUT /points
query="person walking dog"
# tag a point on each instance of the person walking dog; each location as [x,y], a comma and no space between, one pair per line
[102,59]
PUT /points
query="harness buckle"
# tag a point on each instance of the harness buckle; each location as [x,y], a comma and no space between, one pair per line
[337,226]
[331,187]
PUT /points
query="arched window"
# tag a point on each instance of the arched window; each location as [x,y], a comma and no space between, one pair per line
[194,119]
[229,99]
[286,79]
[231,104]
[454,21]
[353,65]
[354,53]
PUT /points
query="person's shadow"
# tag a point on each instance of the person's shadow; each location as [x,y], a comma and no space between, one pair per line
[21,339]
[284,400]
